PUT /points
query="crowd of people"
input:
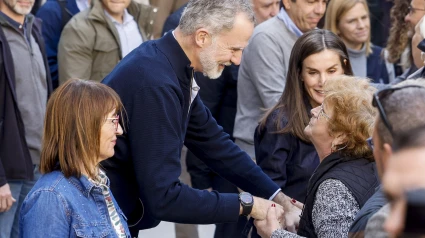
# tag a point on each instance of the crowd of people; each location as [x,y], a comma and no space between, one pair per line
[302,118]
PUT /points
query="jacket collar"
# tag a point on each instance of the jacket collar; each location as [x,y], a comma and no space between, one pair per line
[178,59]
[71,6]
[6,20]
[96,13]
[84,184]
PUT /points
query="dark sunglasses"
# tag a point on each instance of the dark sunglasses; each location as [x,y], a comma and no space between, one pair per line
[383,93]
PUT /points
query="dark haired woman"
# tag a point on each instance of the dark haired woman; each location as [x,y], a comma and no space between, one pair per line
[281,148]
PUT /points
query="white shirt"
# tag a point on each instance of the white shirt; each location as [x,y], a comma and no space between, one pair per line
[128,31]
[82,4]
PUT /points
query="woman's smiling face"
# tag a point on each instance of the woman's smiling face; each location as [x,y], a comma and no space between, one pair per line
[316,69]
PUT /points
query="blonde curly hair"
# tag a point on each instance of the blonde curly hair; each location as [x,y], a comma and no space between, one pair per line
[350,99]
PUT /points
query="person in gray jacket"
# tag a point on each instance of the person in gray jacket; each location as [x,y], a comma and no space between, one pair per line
[262,74]
[25,85]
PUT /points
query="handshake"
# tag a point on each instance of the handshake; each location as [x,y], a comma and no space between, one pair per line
[281,213]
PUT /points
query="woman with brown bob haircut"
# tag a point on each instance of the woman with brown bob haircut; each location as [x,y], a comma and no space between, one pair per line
[282,150]
[72,198]
[347,175]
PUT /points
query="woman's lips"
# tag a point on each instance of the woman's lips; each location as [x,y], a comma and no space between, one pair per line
[320,91]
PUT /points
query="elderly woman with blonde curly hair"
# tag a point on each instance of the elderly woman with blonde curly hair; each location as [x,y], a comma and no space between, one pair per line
[346,176]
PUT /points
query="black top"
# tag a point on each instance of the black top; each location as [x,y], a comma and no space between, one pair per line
[359,175]
[286,159]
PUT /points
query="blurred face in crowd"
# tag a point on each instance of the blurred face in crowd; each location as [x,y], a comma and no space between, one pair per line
[116,8]
[417,11]
[316,69]
[317,129]
[405,172]
[225,48]
[265,9]
[16,7]
[354,27]
[416,52]
[108,135]
[306,14]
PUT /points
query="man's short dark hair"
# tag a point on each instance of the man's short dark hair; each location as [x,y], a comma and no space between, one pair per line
[412,138]
[404,109]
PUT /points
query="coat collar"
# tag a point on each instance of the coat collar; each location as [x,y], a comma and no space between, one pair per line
[178,59]
[84,184]
[96,13]
[6,20]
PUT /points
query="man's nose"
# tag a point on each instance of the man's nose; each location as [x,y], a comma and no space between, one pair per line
[236,58]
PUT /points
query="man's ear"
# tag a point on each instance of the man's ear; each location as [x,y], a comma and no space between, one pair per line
[202,38]
[387,152]
[286,4]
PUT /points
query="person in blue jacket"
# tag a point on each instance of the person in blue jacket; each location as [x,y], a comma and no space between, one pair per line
[72,198]
[350,20]
[55,14]
[157,85]
[282,150]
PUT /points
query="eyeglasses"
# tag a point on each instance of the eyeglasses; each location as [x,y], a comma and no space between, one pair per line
[369,142]
[115,120]
[412,10]
[381,94]
[322,113]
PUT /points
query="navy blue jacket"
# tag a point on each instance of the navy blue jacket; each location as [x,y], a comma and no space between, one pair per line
[359,175]
[154,83]
[286,159]
[51,15]
[376,68]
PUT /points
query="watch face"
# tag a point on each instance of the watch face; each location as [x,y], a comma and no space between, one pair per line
[246,198]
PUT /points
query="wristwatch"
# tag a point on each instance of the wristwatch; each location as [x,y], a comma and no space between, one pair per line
[247,202]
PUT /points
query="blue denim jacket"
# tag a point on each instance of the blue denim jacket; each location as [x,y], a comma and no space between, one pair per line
[61,207]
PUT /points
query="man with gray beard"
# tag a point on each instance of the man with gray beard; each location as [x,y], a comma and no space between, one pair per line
[163,112]
[24,89]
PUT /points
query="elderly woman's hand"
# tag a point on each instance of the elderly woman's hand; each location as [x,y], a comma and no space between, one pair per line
[273,221]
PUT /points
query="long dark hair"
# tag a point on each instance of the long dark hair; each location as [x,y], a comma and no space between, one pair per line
[293,104]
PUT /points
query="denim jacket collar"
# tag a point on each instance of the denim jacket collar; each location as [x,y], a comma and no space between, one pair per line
[84,184]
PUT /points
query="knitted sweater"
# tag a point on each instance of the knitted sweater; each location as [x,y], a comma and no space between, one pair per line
[262,77]
[334,210]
